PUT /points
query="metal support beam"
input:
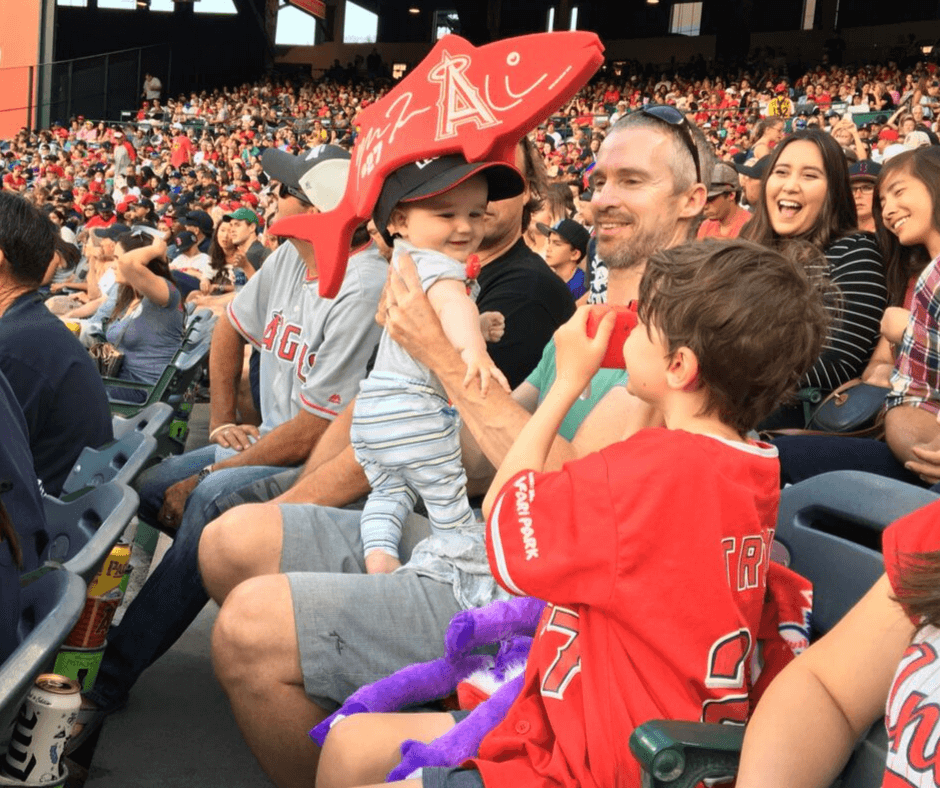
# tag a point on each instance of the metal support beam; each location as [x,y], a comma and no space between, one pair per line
[248,8]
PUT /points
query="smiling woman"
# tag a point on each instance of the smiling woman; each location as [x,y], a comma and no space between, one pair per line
[806,196]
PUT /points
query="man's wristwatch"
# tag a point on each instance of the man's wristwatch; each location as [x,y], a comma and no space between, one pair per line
[203,473]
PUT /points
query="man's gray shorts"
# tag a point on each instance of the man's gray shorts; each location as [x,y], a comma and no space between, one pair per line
[354,628]
[441,777]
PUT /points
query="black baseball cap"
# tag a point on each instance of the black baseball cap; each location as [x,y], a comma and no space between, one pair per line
[420,180]
[113,232]
[199,219]
[866,169]
[755,169]
[184,241]
[574,233]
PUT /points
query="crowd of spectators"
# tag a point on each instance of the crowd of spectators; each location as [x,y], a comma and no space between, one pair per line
[204,149]
[173,204]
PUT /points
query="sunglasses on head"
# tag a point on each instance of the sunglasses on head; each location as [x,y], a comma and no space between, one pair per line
[284,191]
[672,117]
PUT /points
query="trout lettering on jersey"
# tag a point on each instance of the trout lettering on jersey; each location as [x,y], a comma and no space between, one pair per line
[746,561]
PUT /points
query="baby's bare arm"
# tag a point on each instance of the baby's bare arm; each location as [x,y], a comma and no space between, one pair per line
[461,322]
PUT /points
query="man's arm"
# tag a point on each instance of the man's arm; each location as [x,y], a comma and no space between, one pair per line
[331,477]
[579,358]
[226,358]
[478,468]
[913,435]
[289,443]
[495,420]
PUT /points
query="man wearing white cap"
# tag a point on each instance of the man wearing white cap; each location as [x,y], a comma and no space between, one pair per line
[313,355]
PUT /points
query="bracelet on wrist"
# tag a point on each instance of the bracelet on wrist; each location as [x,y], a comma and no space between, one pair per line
[221,427]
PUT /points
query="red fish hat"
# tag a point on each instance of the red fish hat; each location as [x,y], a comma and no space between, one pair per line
[460,99]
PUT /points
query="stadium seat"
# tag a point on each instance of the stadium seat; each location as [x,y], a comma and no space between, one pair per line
[828,529]
[82,531]
[150,421]
[121,460]
[49,607]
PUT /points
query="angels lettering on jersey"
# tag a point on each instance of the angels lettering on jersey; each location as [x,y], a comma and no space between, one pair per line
[283,338]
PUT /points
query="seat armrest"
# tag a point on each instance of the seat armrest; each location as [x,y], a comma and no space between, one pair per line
[681,754]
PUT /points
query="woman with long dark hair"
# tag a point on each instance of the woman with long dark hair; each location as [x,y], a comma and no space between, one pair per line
[767,133]
[806,197]
[147,322]
[903,263]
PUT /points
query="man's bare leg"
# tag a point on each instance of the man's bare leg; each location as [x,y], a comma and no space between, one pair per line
[257,662]
[364,748]
[242,543]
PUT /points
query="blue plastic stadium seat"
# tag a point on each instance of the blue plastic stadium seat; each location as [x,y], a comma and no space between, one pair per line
[828,530]
[83,531]
[121,460]
[151,421]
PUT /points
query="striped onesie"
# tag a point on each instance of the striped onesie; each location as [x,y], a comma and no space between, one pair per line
[406,436]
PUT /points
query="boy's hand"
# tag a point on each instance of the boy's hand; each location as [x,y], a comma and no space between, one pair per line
[480,364]
[492,326]
[578,357]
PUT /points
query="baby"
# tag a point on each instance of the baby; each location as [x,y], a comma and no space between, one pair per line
[405,434]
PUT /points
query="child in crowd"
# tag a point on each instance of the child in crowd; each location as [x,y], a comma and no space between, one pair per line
[405,435]
[652,553]
[566,251]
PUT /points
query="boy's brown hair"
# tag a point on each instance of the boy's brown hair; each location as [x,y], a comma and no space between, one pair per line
[752,316]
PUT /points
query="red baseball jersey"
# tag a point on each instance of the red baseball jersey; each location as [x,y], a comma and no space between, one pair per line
[913,710]
[181,150]
[653,555]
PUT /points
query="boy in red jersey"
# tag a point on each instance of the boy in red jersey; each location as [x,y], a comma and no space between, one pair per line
[653,552]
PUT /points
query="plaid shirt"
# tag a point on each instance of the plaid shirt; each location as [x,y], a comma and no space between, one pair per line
[916,378]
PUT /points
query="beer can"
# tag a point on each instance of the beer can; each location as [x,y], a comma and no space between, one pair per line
[42,728]
[95,620]
[81,664]
[111,572]
[103,600]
